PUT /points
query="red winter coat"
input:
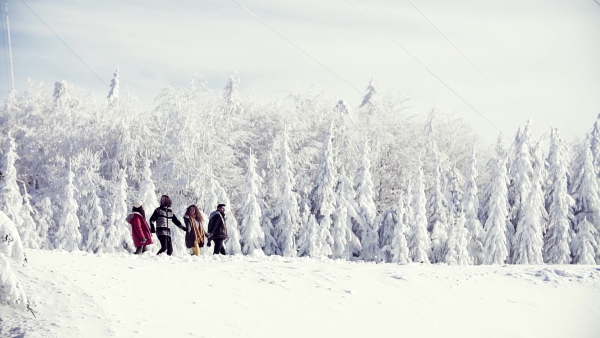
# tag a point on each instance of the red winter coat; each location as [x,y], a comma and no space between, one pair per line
[139,229]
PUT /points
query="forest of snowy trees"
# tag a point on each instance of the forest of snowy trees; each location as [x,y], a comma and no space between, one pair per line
[301,176]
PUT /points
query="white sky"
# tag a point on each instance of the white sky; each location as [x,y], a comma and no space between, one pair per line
[545,54]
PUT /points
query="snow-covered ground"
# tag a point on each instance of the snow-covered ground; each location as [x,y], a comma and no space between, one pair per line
[84,295]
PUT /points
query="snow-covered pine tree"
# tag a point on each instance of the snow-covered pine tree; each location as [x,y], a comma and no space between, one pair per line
[488,188]
[89,213]
[584,191]
[539,163]
[585,244]
[304,205]
[11,249]
[117,233]
[113,94]
[368,104]
[67,236]
[29,234]
[285,213]
[399,247]
[528,241]
[595,144]
[312,245]
[388,221]
[44,218]
[231,95]
[11,200]
[521,172]
[458,253]
[419,243]
[559,203]
[253,237]
[367,211]
[270,247]
[346,214]
[497,225]
[437,209]
[323,195]
[470,205]
[149,199]
[10,241]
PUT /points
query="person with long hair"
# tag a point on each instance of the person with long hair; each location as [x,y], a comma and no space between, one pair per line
[160,223]
[140,232]
[194,229]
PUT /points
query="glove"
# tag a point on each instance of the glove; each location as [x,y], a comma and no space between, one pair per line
[152,228]
[208,244]
[143,240]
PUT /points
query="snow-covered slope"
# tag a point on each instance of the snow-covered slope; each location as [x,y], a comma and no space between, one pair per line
[83,295]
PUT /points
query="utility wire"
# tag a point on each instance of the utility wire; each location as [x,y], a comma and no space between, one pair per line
[64,43]
[422,64]
[466,57]
[297,47]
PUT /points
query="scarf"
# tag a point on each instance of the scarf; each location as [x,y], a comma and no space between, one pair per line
[198,231]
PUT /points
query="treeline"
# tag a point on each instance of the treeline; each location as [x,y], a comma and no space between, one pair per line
[301,176]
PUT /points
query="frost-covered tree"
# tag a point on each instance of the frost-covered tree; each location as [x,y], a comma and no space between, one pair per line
[323,195]
[437,211]
[595,144]
[497,225]
[346,214]
[89,213]
[419,243]
[387,221]
[312,245]
[363,183]
[559,203]
[10,241]
[470,206]
[270,246]
[231,95]
[368,103]
[67,235]
[253,237]
[232,245]
[117,232]
[521,172]
[303,188]
[584,191]
[585,244]
[46,226]
[11,200]
[285,213]
[113,94]
[11,249]
[398,248]
[528,241]
[147,192]
[458,253]
[29,234]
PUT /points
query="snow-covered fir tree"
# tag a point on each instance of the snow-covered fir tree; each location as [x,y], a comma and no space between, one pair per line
[521,172]
[11,200]
[117,232]
[458,253]
[585,243]
[497,225]
[232,245]
[253,237]
[368,103]
[231,96]
[147,192]
[89,213]
[419,243]
[323,195]
[528,241]
[11,249]
[113,94]
[312,245]
[595,144]
[584,191]
[270,246]
[437,211]
[346,214]
[67,235]
[29,234]
[559,203]
[303,188]
[285,213]
[10,241]
[470,206]
[363,183]
[399,247]
[46,226]
[387,223]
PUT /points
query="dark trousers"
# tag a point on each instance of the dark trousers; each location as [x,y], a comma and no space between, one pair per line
[140,249]
[165,245]
[219,248]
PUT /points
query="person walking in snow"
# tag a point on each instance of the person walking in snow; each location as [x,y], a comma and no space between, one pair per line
[139,228]
[194,229]
[163,217]
[217,229]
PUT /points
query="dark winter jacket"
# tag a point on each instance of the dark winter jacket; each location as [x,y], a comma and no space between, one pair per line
[139,229]
[163,217]
[217,227]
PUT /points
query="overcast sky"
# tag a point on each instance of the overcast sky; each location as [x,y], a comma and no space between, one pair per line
[545,54]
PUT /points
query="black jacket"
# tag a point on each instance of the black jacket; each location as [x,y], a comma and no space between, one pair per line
[217,228]
[163,217]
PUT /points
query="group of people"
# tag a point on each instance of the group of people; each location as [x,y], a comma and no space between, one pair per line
[163,217]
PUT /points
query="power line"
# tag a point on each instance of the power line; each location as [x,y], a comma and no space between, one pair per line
[297,47]
[422,64]
[64,43]
[466,57]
